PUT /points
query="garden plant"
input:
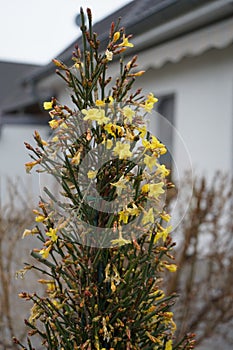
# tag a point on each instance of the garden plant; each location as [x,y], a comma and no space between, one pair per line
[104,234]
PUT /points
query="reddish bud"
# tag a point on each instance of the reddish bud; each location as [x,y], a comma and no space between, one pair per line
[28,146]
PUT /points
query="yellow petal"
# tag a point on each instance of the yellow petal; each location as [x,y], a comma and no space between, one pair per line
[92,174]
[26,233]
[48,105]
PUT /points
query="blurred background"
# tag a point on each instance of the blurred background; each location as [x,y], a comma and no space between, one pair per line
[187,52]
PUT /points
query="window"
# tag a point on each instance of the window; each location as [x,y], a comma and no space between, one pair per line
[164,129]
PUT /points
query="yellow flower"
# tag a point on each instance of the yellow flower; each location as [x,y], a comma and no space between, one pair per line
[124,216]
[151,98]
[35,313]
[168,345]
[154,145]
[45,252]
[109,55]
[53,234]
[30,165]
[92,174]
[163,232]
[126,212]
[145,188]
[156,189]
[148,217]
[122,150]
[76,158]
[48,105]
[51,286]
[146,144]
[57,304]
[100,103]
[148,107]
[120,184]
[128,113]
[142,131]
[125,42]
[54,124]
[170,267]
[55,139]
[162,170]
[120,241]
[112,128]
[129,134]
[165,217]
[109,100]
[134,211]
[168,315]
[95,114]
[149,103]
[150,161]
[40,218]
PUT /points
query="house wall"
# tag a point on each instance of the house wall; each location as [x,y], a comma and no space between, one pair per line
[203,88]
[13,156]
[203,115]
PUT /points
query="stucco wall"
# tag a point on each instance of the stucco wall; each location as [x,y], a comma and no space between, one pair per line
[203,115]
[203,88]
[13,156]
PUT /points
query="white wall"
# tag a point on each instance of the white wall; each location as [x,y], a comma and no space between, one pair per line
[203,88]
[13,156]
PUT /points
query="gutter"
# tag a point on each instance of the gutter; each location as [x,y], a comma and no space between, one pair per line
[185,24]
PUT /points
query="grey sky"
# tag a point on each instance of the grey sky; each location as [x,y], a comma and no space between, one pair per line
[36,31]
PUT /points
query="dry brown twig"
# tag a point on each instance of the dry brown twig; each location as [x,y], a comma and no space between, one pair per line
[15,213]
[205,259]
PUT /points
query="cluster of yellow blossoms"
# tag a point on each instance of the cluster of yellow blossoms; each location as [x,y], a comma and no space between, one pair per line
[119,134]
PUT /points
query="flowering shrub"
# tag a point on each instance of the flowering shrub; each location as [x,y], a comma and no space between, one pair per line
[105,238]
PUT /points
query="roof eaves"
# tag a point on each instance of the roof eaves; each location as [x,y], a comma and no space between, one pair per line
[102,27]
[157,13]
[206,15]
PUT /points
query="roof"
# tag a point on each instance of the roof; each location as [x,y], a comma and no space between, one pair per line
[140,17]
[164,29]
[20,104]
[137,17]
[12,74]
